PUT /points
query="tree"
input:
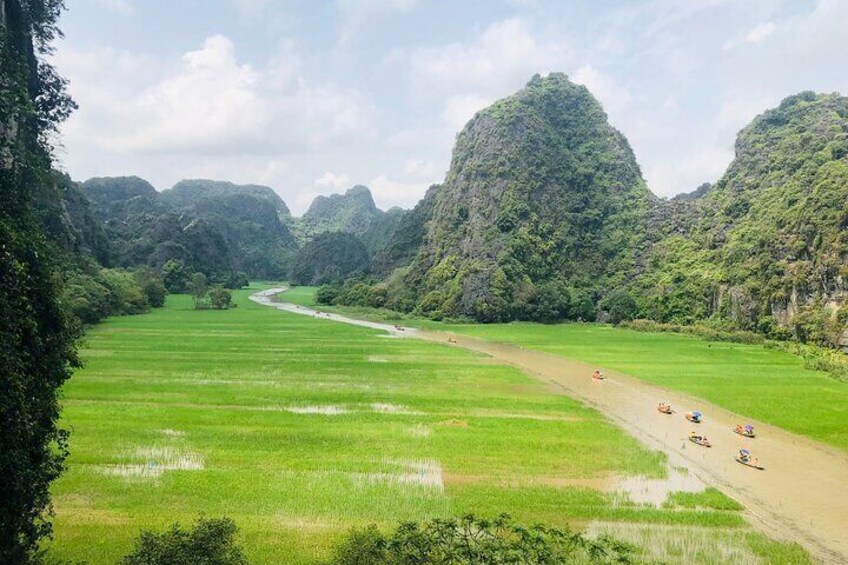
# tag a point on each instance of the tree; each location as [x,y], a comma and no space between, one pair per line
[327,293]
[220,298]
[36,335]
[174,276]
[621,307]
[209,542]
[198,286]
[152,286]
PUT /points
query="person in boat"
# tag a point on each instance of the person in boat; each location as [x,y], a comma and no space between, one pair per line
[694,416]
[697,438]
[663,407]
[597,374]
[744,455]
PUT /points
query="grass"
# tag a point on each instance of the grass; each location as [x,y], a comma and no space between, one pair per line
[299,429]
[765,384]
[752,380]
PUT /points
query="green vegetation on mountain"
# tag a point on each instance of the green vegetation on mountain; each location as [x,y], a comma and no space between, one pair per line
[408,236]
[330,258]
[543,209]
[544,216]
[353,212]
[249,217]
[36,334]
[187,193]
[766,248]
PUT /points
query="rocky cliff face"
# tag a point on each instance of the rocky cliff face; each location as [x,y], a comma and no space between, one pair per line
[541,190]
[767,246]
[353,212]
[187,193]
[214,227]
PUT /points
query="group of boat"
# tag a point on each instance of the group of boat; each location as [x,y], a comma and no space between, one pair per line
[743,457]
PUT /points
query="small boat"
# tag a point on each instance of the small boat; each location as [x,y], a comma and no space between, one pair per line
[747,430]
[699,439]
[744,457]
[664,408]
[694,417]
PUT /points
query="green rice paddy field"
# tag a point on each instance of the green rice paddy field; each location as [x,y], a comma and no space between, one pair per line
[299,429]
[765,384]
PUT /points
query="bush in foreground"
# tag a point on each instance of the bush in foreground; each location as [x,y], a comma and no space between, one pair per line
[470,540]
[209,542]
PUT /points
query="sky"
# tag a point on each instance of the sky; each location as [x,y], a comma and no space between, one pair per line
[312,97]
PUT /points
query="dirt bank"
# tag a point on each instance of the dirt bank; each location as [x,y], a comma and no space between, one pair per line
[802,495]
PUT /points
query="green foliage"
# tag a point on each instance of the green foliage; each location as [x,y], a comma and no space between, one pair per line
[353,212]
[152,286]
[198,286]
[700,330]
[407,237]
[329,258]
[327,293]
[471,540]
[541,190]
[765,248]
[174,276]
[93,294]
[218,232]
[208,542]
[36,335]
[621,307]
[220,298]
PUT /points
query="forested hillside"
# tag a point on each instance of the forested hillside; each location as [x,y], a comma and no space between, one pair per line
[766,248]
[37,336]
[544,215]
[353,212]
[544,206]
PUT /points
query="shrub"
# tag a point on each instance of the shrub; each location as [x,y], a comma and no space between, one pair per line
[220,298]
[209,542]
[327,293]
[470,540]
[698,330]
[621,307]
[151,286]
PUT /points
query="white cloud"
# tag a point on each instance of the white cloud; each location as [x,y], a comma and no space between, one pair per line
[754,36]
[505,55]
[461,108]
[376,6]
[420,169]
[614,97]
[760,32]
[705,164]
[207,103]
[390,192]
[122,7]
[333,181]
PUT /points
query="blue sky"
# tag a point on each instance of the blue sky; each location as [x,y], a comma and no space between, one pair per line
[313,97]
